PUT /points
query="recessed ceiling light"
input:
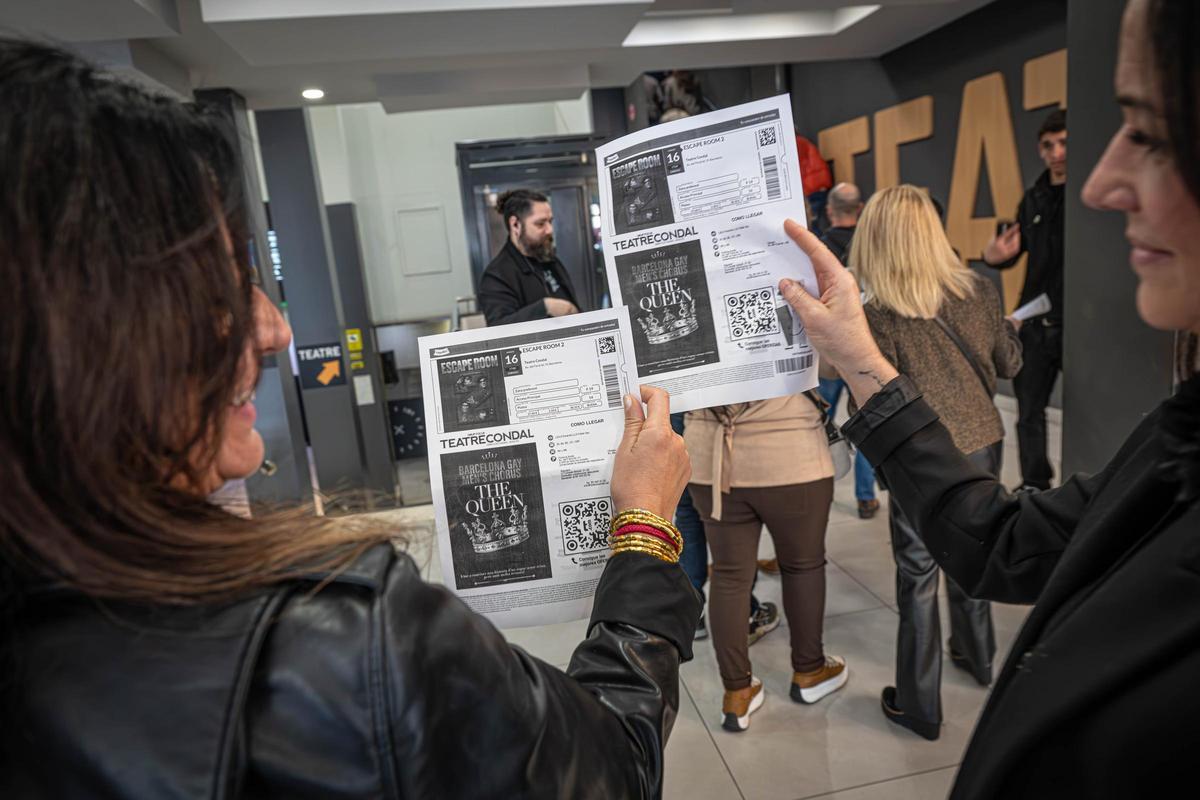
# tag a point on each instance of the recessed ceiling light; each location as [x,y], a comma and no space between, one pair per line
[313,94]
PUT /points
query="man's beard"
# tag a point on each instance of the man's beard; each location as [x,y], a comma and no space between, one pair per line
[542,250]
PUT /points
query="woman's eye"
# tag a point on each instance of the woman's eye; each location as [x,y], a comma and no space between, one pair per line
[1145,140]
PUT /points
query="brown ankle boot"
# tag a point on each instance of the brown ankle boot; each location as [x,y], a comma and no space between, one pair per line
[739,704]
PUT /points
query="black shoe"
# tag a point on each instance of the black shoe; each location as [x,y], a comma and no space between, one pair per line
[701,630]
[983,677]
[926,730]
[765,620]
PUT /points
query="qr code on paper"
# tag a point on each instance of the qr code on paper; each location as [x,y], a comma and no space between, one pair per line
[766,136]
[607,345]
[752,313]
[585,524]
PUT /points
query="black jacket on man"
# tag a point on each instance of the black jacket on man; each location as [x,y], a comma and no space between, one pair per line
[838,239]
[1098,696]
[1040,216]
[377,685]
[513,287]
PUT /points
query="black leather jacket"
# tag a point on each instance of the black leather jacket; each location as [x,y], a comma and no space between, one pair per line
[1097,698]
[377,686]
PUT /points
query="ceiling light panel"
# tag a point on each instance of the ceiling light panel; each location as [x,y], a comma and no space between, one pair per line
[92,20]
[307,31]
[708,29]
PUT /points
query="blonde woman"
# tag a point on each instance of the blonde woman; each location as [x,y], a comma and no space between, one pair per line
[940,324]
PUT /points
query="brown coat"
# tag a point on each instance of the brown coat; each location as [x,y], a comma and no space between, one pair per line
[776,442]
[921,350]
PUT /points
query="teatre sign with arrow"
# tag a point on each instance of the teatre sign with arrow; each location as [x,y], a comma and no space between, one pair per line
[321,366]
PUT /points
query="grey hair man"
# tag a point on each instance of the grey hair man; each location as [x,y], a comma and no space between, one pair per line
[843,206]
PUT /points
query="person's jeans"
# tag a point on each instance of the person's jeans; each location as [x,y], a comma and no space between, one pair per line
[695,545]
[1032,387]
[864,473]
[695,548]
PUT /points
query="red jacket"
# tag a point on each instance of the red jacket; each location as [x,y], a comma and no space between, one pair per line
[814,171]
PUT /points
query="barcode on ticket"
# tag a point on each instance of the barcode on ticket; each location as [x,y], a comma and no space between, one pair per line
[771,173]
[795,364]
[612,385]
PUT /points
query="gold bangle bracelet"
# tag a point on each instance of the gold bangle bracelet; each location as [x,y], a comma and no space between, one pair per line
[638,516]
[659,554]
[643,540]
[675,540]
[641,515]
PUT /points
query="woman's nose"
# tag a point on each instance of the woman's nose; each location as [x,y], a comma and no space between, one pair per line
[1107,188]
[273,332]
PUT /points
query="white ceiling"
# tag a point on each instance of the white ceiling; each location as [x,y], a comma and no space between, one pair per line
[421,54]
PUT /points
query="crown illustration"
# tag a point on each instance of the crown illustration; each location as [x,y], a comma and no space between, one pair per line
[673,325]
[503,531]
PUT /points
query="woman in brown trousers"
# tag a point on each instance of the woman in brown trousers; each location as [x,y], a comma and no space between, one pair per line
[755,464]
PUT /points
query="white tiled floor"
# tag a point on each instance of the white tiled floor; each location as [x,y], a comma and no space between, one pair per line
[842,747]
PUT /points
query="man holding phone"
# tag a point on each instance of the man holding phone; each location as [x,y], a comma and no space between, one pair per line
[1039,232]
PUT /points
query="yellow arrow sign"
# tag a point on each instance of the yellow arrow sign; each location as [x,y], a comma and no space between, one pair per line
[329,371]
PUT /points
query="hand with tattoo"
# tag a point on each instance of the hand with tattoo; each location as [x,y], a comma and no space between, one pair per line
[834,318]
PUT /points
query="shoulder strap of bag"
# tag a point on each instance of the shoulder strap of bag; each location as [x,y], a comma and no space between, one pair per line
[819,402]
[967,354]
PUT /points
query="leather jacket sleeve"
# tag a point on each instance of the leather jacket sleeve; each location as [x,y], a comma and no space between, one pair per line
[996,545]
[472,716]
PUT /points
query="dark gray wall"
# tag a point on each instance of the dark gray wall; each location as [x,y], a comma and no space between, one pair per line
[1116,367]
[372,428]
[999,37]
[314,302]
[608,112]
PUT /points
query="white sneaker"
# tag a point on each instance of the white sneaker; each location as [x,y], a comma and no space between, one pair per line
[809,687]
[739,704]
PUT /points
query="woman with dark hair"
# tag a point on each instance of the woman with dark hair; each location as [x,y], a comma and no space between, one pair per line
[155,646]
[1097,698]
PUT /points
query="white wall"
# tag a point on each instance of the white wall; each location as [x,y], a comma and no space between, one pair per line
[386,163]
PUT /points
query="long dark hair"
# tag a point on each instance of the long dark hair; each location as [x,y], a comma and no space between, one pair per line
[1174,27]
[125,322]
[1174,30]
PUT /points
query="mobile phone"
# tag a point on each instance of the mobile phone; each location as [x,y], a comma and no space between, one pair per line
[1003,225]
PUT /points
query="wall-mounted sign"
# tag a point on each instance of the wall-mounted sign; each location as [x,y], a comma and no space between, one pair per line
[354,349]
[321,366]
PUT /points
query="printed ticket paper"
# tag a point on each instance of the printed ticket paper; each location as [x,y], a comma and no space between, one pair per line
[693,214]
[524,422]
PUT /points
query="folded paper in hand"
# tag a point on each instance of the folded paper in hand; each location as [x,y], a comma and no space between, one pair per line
[1034,308]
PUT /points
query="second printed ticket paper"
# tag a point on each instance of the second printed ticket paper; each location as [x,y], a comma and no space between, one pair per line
[524,422]
[693,214]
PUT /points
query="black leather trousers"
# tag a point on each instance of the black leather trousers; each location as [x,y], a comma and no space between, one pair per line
[918,642]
